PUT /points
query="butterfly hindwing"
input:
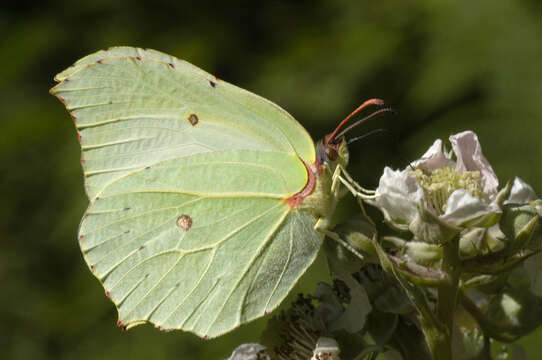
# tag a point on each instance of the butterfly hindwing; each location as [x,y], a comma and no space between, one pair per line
[174,249]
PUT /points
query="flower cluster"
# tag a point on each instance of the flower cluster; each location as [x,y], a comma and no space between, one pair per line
[446,194]
[457,238]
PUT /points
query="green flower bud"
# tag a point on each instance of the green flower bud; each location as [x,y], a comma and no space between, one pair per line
[358,232]
[503,246]
[480,241]
[518,223]
[419,252]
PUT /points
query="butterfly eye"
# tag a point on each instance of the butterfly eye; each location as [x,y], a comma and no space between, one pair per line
[331,154]
[326,151]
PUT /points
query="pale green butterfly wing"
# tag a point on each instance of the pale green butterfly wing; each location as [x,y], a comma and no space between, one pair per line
[235,258]
[133,107]
[188,227]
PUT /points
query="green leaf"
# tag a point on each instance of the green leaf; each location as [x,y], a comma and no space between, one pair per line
[511,352]
[506,315]
[392,354]
[342,264]
[381,326]
[384,291]
[409,339]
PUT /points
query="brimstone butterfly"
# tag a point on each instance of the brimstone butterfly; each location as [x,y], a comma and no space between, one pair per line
[207,202]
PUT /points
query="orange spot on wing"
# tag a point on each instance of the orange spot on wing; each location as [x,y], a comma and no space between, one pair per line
[296,200]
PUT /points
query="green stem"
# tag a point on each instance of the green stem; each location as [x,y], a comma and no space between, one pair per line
[441,343]
[486,351]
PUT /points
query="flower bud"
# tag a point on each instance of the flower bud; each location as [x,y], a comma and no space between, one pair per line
[479,241]
[519,223]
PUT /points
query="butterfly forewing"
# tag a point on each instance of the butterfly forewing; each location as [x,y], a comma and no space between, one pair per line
[133,111]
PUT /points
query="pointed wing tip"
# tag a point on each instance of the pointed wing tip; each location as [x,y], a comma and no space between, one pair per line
[61,76]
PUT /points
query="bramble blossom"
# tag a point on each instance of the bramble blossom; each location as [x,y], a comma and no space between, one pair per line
[457,193]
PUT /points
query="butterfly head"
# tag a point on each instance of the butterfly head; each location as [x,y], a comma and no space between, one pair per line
[331,153]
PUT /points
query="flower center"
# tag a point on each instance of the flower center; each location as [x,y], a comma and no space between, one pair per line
[441,183]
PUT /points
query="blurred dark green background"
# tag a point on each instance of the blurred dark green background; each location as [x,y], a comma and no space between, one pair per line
[446,66]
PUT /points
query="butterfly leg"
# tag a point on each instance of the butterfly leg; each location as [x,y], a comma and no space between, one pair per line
[355,188]
[336,237]
[323,224]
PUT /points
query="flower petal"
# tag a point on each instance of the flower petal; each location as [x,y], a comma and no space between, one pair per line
[521,193]
[469,155]
[250,351]
[463,209]
[397,196]
[326,348]
[433,158]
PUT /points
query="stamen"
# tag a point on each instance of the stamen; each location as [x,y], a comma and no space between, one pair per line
[441,183]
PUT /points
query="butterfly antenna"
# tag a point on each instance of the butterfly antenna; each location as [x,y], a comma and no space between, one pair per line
[373,115]
[372,132]
[365,104]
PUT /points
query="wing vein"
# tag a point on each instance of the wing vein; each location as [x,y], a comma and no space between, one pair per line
[246,269]
[290,251]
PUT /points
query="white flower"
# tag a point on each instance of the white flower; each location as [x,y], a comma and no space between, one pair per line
[326,349]
[250,351]
[521,193]
[458,193]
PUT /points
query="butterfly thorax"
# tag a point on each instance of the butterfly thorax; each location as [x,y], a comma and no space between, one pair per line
[321,201]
